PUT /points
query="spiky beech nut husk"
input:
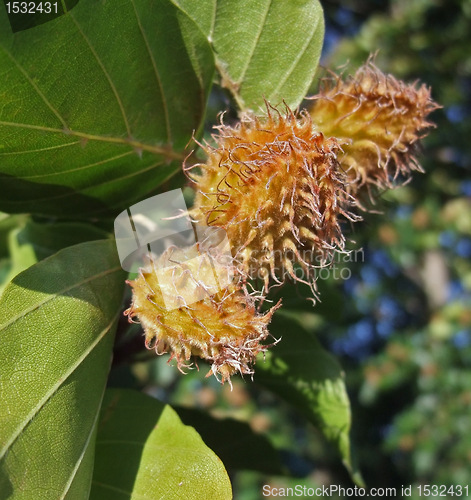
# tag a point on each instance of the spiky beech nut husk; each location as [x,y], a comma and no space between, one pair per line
[184,311]
[276,187]
[378,121]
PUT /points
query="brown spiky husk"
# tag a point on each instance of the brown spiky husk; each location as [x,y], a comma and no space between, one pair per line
[277,189]
[224,328]
[378,121]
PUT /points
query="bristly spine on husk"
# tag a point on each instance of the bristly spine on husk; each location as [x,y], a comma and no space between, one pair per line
[275,185]
[378,122]
[223,328]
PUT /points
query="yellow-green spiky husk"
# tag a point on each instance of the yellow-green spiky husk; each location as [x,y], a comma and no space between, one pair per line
[223,328]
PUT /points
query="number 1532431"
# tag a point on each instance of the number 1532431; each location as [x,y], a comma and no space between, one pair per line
[32,8]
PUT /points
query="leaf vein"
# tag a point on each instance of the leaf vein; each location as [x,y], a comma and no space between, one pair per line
[102,162]
[85,447]
[35,87]
[213,21]
[107,75]
[296,61]
[60,292]
[157,75]
[53,389]
[257,39]
[162,150]
[41,149]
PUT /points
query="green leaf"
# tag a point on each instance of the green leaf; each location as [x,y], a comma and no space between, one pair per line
[32,242]
[300,371]
[266,49]
[143,451]
[7,224]
[97,104]
[22,256]
[5,267]
[235,443]
[57,322]
[47,239]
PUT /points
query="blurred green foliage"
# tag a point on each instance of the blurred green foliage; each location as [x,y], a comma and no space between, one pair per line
[408,363]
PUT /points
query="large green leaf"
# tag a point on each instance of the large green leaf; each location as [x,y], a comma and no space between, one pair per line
[57,322]
[143,451]
[32,242]
[300,371]
[96,104]
[47,239]
[235,443]
[264,49]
